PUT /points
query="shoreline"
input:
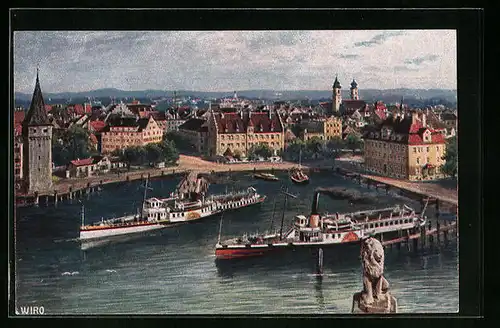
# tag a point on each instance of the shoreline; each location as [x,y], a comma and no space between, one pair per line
[186,164]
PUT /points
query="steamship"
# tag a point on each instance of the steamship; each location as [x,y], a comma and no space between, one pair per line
[322,230]
[187,203]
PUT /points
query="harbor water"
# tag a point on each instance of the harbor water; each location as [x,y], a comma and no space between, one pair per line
[174,271]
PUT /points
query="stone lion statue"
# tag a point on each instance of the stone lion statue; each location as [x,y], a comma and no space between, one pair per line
[374,284]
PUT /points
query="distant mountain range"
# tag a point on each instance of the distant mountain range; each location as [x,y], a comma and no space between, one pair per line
[369,95]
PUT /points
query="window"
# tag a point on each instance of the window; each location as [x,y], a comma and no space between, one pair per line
[45,130]
[418,160]
[428,159]
[427,149]
[39,157]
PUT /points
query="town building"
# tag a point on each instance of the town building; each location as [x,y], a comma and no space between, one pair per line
[324,128]
[92,166]
[240,131]
[37,145]
[122,132]
[195,131]
[403,146]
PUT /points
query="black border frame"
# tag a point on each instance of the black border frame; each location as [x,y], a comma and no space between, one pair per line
[470,29]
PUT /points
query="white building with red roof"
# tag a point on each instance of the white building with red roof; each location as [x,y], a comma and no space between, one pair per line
[404,146]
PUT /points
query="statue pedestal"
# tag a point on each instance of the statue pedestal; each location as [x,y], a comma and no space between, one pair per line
[384,304]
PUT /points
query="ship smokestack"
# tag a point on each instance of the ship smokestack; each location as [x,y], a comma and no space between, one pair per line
[315,203]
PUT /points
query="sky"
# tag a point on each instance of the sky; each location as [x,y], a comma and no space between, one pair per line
[73,61]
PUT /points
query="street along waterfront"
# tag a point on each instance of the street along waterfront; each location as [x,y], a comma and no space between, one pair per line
[173,271]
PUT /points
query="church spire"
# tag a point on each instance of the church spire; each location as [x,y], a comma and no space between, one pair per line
[36,114]
[336,83]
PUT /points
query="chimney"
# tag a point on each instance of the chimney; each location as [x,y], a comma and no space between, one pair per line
[424,120]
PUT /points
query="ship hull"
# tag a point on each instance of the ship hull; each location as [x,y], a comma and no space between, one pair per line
[299,181]
[241,251]
[117,231]
[266,178]
[89,234]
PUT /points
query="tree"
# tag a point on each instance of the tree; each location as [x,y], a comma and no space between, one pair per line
[334,147]
[71,144]
[314,146]
[450,168]
[292,151]
[154,153]
[237,154]
[170,153]
[263,150]
[260,150]
[353,142]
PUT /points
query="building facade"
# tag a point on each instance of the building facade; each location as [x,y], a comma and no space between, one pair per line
[37,145]
[405,147]
[123,132]
[195,130]
[239,132]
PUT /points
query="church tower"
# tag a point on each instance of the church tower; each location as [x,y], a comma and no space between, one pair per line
[37,135]
[354,90]
[336,97]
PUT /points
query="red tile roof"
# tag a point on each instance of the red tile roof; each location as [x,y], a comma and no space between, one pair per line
[82,162]
[18,129]
[88,108]
[380,113]
[97,126]
[48,108]
[78,109]
[93,138]
[18,117]
[411,130]
[351,105]
[235,123]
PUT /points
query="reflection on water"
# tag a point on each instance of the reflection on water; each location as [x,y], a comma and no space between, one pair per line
[174,270]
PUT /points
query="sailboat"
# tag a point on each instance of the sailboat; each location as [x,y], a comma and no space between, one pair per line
[297,175]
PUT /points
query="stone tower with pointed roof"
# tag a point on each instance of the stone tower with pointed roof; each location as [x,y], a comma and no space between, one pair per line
[354,90]
[336,96]
[37,136]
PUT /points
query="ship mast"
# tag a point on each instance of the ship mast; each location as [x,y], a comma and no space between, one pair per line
[82,214]
[286,193]
[272,217]
[220,228]
[300,155]
[144,199]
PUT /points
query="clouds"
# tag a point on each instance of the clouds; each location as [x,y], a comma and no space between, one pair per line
[233,60]
[420,60]
[378,39]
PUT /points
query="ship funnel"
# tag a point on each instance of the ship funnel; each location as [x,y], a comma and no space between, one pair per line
[315,203]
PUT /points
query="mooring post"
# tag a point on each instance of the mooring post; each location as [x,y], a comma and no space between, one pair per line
[437,208]
[438,228]
[162,173]
[55,197]
[36,198]
[149,176]
[387,189]
[320,261]
[422,236]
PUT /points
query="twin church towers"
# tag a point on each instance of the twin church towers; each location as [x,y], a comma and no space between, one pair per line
[337,96]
